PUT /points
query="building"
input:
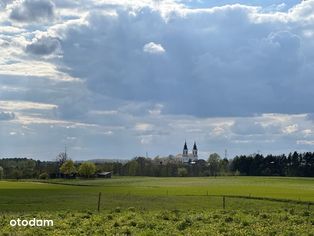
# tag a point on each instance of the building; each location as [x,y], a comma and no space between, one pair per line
[106,175]
[187,157]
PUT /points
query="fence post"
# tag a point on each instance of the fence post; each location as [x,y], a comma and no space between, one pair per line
[223,202]
[99,196]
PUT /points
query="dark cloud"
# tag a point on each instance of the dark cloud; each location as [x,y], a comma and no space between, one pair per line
[33,11]
[6,116]
[43,46]
[215,63]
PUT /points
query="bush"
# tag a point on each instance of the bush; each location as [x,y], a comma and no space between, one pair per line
[43,175]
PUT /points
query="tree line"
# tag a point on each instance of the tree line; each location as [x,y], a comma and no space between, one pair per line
[63,167]
[295,164]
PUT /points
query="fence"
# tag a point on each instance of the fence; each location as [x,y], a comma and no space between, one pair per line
[206,201]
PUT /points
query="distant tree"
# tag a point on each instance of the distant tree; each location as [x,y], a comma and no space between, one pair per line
[28,168]
[87,169]
[68,168]
[1,172]
[182,172]
[43,175]
[17,174]
[132,167]
[214,161]
[224,166]
[60,159]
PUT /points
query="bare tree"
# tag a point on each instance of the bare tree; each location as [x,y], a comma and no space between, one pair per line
[61,159]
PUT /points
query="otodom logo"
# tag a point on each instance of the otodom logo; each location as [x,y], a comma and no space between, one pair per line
[33,223]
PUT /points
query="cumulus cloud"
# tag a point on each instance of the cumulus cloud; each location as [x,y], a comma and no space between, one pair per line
[43,46]
[153,48]
[215,59]
[33,11]
[142,75]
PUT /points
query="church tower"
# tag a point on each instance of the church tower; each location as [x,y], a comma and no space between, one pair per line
[185,150]
[194,151]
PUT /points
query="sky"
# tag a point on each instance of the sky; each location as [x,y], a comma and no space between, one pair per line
[119,78]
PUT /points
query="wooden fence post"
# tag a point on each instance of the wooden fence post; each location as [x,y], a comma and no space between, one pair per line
[99,196]
[223,202]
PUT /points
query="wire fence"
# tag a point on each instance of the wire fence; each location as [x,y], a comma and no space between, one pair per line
[196,202]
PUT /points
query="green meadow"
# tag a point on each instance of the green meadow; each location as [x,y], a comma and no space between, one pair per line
[151,193]
[253,206]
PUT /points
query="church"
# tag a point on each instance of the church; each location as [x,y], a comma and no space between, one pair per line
[187,157]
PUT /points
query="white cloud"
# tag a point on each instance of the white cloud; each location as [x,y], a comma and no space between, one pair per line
[43,69]
[24,105]
[290,129]
[153,48]
[142,127]
[305,142]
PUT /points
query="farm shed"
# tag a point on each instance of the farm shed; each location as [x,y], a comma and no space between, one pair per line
[106,175]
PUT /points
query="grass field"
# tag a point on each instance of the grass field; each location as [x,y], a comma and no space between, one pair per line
[151,198]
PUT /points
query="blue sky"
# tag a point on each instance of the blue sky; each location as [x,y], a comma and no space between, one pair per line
[118,78]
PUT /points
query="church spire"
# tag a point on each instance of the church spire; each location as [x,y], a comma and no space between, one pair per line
[185,146]
[185,149]
[194,151]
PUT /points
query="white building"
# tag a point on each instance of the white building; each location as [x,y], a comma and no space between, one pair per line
[187,157]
